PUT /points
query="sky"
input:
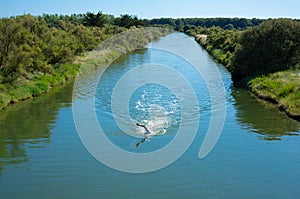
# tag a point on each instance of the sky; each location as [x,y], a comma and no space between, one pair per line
[148,9]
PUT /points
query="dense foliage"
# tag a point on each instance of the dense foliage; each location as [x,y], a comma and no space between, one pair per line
[94,20]
[270,47]
[37,53]
[28,45]
[184,24]
[220,43]
[37,44]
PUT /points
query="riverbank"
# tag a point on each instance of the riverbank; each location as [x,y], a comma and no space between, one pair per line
[104,54]
[36,85]
[282,89]
[279,88]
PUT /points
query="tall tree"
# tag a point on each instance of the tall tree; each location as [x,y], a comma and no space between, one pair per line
[128,21]
[91,19]
[272,46]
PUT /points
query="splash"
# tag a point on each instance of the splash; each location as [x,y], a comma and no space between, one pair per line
[158,112]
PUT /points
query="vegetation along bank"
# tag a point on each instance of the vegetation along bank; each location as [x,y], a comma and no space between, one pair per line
[265,58]
[38,53]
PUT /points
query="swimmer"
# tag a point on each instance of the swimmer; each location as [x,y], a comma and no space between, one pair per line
[147,134]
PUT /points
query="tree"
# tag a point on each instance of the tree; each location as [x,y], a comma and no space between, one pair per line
[9,33]
[270,47]
[128,21]
[91,19]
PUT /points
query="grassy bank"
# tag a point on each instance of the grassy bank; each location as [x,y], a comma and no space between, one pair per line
[34,84]
[25,88]
[120,44]
[281,88]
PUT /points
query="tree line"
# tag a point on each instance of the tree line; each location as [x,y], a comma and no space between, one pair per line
[36,44]
[95,20]
[272,46]
[184,24]
[37,53]
[29,44]
[43,49]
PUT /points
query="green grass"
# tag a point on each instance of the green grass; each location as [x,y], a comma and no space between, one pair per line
[41,83]
[20,93]
[282,88]
[4,99]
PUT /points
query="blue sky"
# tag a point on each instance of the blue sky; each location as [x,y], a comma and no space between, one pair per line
[157,8]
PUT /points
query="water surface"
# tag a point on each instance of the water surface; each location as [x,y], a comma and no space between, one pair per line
[257,155]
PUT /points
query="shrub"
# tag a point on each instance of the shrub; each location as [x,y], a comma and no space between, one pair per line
[4,100]
[43,86]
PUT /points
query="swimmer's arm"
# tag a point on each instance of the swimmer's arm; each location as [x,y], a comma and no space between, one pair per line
[146,129]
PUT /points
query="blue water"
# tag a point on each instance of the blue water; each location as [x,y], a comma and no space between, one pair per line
[256,156]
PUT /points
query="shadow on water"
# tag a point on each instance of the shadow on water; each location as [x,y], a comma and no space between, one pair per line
[28,124]
[263,118]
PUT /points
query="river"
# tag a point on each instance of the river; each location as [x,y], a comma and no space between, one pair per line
[256,155]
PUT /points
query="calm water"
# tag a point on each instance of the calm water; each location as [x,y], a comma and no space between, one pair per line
[256,156]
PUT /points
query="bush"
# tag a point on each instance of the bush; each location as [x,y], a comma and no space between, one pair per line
[270,47]
[43,86]
[20,93]
[35,91]
[286,89]
[4,100]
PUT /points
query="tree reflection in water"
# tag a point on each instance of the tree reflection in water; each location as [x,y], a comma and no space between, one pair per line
[29,124]
[263,118]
